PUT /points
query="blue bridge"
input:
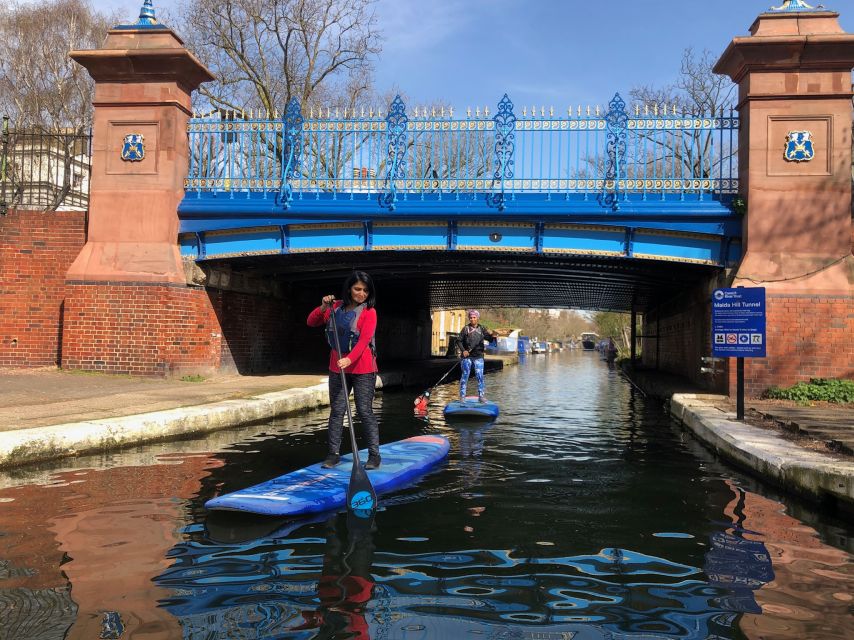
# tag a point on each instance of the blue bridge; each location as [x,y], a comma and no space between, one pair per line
[599,208]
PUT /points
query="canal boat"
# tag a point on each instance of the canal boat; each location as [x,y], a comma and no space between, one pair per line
[471,407]
[588,340]
[540,347]
[315,489]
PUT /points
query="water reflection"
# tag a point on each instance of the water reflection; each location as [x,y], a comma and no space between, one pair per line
[227,580]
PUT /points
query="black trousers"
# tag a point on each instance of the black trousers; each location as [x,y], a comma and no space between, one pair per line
[363,386]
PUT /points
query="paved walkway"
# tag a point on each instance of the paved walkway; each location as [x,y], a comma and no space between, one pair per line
[823,427]
[47,413]
[43,397]
[805,450]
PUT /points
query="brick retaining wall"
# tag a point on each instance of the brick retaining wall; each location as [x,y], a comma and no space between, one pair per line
[36,249]
[139,328]
[684,328]
[809,336]
[157,329]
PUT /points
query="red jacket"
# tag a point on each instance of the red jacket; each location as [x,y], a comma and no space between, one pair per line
[363,360]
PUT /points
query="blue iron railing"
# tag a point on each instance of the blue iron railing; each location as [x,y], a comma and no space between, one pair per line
[609,156]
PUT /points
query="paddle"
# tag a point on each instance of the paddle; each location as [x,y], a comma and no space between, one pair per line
[422,400]
[361,497]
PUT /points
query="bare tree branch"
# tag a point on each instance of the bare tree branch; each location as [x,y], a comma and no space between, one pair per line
[265,52]
[47,96]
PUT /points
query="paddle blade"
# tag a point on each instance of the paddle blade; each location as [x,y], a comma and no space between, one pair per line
[360,529]
[420,404]
[361,497]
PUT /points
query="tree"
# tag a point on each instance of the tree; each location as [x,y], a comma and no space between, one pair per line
[48,98]
[617,326]
[266,52]
[538,322]
[697,88]
[697,91]
[40,86]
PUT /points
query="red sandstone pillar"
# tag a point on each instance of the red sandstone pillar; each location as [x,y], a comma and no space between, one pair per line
[794,78]
[128,308]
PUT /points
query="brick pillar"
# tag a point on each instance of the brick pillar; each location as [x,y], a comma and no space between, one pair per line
[128,307]
[794,76]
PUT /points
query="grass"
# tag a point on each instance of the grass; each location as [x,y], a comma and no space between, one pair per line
[195,377]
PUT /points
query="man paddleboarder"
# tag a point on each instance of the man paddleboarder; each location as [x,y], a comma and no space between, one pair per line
[470,350]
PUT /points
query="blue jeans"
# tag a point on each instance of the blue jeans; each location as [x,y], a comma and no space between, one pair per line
[465,365]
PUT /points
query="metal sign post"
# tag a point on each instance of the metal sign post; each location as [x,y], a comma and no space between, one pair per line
[738,330]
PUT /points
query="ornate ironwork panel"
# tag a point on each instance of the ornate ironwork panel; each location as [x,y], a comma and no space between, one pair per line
[505,148]
[617,120]
[396,125]
[291,150]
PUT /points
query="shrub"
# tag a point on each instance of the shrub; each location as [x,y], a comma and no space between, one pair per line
[817,389]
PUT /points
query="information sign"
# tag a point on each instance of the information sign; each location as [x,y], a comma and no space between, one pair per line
[738,322]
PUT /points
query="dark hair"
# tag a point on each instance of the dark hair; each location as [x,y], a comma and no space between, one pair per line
[353,278]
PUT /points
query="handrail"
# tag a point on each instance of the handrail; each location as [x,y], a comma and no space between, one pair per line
[606,157]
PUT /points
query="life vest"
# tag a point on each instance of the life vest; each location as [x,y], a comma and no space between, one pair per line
[348,331]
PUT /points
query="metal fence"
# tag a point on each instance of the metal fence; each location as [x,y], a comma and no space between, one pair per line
[611,154]
[44,170]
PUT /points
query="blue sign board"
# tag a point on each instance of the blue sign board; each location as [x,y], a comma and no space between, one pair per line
[738,322]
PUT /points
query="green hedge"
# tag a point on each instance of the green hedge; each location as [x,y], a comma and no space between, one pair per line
[824,389]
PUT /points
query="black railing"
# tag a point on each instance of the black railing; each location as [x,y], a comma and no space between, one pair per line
[44,170]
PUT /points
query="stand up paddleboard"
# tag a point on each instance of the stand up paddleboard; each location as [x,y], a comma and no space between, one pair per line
[471,408]
[315,489]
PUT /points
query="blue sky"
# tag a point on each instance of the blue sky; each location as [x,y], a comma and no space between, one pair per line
[542,52]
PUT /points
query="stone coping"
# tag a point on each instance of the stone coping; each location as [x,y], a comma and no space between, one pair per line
[813,475]
[29,445]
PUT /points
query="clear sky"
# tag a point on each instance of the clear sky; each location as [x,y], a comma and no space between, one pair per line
[542,52]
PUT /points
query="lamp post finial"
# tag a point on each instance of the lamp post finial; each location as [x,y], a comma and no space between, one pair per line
[795,6]
[146,14]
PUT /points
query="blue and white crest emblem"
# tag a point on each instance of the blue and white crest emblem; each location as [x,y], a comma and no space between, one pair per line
[799,146]
[133,149]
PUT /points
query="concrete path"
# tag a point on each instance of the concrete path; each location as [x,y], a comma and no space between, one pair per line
[47,413]
[44,397]
[805,450]
[833,426]
[815,475]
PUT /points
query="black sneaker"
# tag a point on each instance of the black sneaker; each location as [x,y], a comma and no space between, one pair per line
[332,460]
[373,462]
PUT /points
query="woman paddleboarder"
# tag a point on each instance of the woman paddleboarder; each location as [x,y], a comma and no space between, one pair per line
[356,322]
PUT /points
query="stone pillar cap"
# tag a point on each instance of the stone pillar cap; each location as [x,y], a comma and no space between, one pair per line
[795,40]
[143,55]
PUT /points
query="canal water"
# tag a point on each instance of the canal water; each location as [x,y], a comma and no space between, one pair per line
[581,513]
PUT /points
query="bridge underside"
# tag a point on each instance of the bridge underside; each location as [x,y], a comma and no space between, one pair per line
[458,279]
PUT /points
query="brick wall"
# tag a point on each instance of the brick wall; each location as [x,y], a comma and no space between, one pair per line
[139,328]
[684,329]
[809,336]
[36,249]
[159,330]
[254,336]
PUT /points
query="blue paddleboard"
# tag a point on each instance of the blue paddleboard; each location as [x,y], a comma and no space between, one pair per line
[471,408]
[315,489]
